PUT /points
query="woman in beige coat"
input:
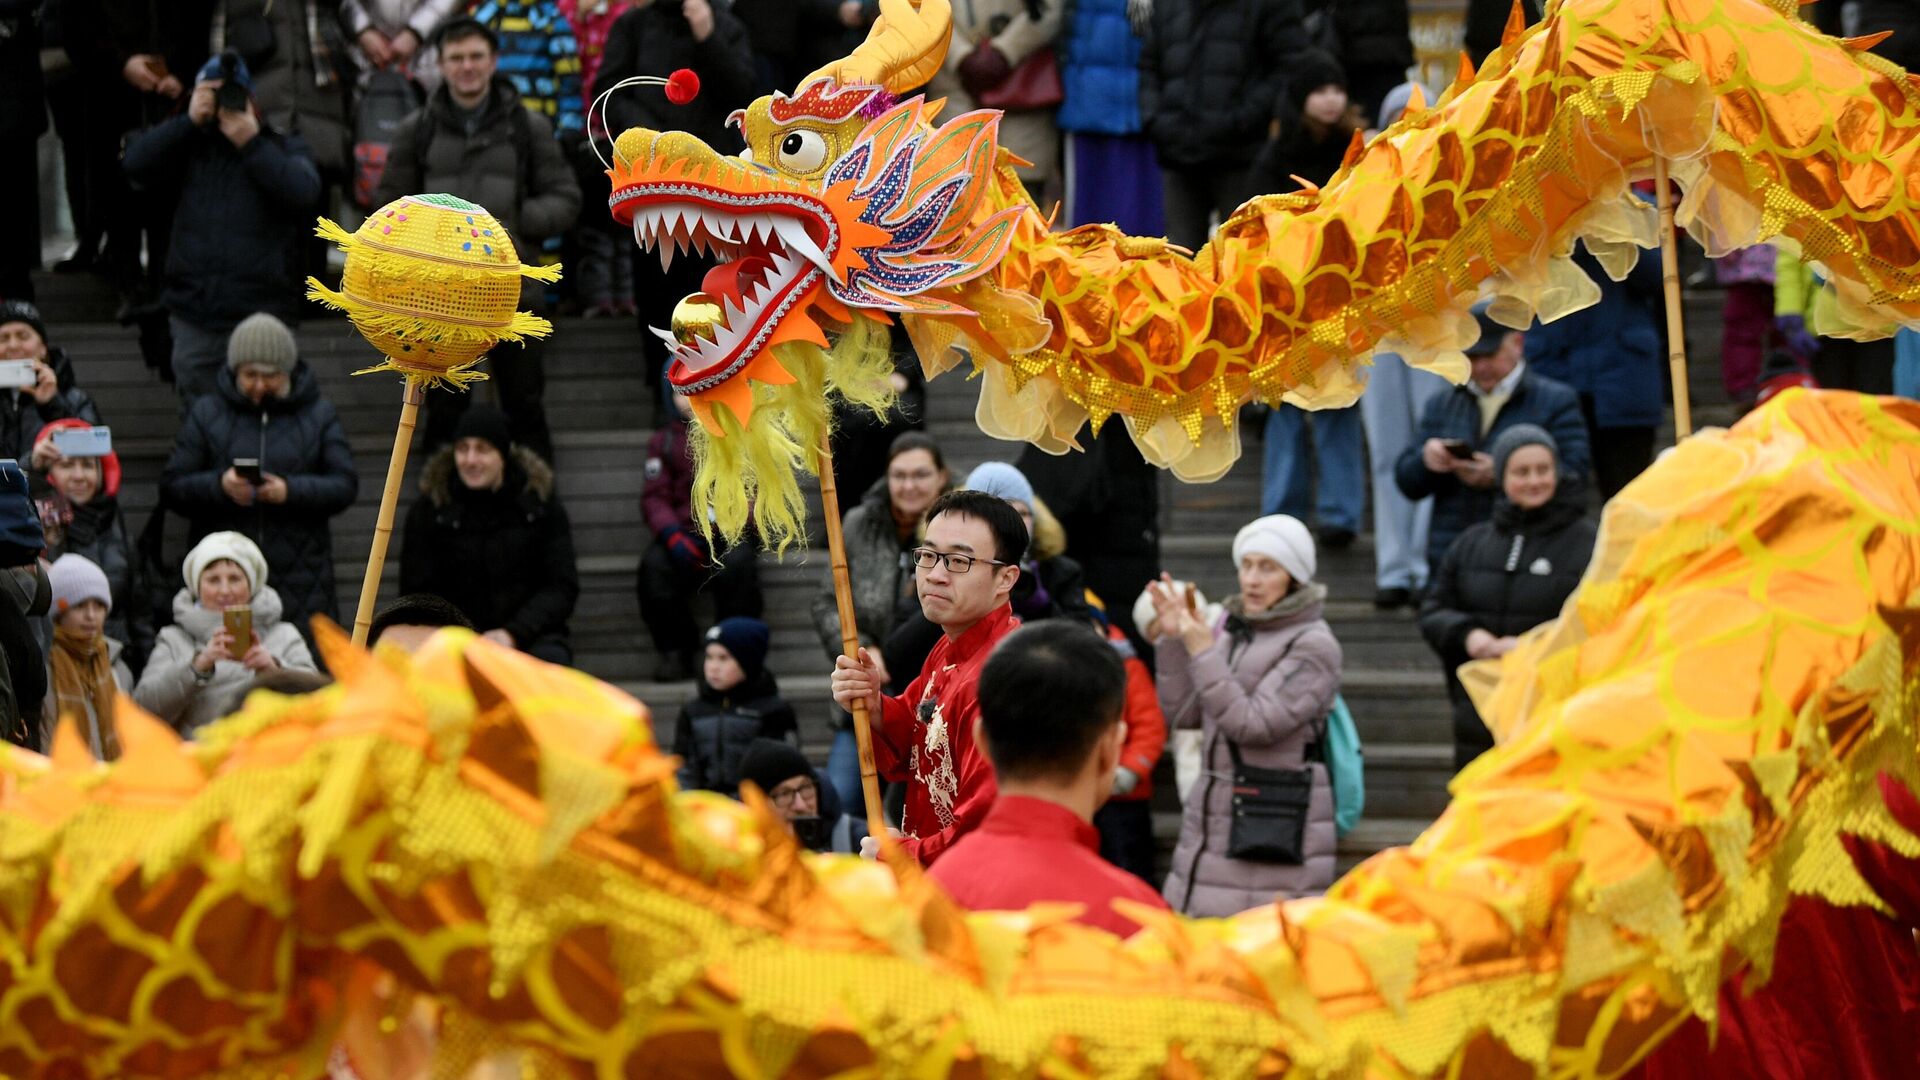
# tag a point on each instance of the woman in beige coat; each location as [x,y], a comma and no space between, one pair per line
[1260,680]
[1014,31]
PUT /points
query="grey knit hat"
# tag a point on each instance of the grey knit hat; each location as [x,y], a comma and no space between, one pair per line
[1514,438]
[264,341]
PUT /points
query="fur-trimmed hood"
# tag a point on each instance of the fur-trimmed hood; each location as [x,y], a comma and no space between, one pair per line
[526,471]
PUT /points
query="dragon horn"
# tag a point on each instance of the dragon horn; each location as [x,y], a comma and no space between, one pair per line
[905,47]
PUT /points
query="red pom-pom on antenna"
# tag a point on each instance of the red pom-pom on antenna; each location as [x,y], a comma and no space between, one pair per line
[683,86]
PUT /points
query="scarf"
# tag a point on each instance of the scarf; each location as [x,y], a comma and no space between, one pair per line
[83,685]
[1241,627]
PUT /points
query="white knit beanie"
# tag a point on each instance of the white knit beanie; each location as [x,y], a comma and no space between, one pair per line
[76,579]
[226,545]
[1282,539]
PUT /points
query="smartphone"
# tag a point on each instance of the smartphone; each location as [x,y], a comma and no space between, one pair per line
[239,619]
[248,468]
[1459,448]
[17,374]
[83,442]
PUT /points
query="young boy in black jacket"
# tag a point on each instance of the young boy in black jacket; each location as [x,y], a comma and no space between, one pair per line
[738,703]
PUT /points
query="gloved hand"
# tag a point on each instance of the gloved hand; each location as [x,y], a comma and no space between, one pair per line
[1793,328]
[687,550]
[1125,780]
[984,68]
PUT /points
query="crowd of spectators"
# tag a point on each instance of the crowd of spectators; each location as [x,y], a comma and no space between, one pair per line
[1019,723]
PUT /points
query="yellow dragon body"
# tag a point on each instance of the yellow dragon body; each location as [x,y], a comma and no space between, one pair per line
[850,205]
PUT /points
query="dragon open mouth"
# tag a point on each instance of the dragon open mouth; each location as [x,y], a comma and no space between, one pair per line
[769,260]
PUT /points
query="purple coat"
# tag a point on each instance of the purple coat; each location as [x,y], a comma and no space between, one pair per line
[1267,693]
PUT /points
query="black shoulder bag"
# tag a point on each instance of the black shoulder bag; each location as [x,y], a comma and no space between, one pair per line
[1269,812]
[1269,808]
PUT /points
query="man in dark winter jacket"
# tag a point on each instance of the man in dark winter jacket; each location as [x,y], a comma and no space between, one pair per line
[476,140]
[1210,72]
[54,394]
[680,563]
[738,702]
[265,456]
[1448,456]
[248,194]
[491,537]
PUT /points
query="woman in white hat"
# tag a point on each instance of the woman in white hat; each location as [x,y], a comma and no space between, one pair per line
[1258,681]
[196,664]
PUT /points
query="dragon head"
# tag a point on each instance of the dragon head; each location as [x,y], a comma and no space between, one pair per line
[847,203]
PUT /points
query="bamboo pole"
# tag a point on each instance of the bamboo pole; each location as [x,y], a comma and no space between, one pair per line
[1670,279]
[850,638]
[410,400]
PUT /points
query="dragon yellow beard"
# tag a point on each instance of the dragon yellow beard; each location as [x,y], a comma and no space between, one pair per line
[850,205]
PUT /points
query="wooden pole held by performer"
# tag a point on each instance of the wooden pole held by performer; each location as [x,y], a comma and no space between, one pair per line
[410,401]
[850,639]
[1670,279]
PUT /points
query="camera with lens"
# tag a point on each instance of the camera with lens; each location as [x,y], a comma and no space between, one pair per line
[230,94]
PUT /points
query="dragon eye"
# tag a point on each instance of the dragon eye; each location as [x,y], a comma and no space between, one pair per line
[802,151]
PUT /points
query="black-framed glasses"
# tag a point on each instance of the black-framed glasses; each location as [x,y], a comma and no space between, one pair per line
[786,794]
[956,562]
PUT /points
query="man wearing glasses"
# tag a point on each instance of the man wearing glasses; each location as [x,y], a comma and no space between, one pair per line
[924,737]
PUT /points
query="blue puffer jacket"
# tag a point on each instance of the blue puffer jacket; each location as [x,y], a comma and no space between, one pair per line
[1456,415]
[1100,70]
[1612,349]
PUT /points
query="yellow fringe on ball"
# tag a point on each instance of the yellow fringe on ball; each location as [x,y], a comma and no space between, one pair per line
[454,378]
[750,473]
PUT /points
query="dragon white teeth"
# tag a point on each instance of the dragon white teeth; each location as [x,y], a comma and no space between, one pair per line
[663,335]
[794,236]
[666,257]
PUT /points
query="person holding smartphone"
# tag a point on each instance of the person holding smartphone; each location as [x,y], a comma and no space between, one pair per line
[37,384]
[1448,457]
[227,629]
[247,196]
[266,456]
[81,516]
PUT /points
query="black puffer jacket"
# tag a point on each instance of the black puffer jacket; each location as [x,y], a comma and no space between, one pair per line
[1210,72]
[21,417]
[655,40]
[297,437]
[713,731]
[504,557]
[1373,33]
[242,223]
[1505,576]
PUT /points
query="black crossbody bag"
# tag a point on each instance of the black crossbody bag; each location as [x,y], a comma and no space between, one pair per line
[1269,812]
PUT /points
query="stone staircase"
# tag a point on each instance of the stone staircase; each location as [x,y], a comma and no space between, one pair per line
[600,411]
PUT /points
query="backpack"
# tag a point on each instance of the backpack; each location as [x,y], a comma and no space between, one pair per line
[1340,751]
[389,98]
[519,132]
